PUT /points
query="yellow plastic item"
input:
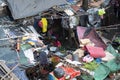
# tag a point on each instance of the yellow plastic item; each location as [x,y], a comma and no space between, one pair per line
[44,24]
[31,43]
[101,12]
[25,38]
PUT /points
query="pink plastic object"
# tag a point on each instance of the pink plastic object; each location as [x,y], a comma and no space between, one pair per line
[96,52]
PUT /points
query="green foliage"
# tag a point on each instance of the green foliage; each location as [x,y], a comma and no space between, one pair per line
[91,65]
[117,39]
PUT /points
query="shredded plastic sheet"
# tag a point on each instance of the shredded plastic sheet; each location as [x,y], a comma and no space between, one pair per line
[26,58]
[23,59]
[29,54]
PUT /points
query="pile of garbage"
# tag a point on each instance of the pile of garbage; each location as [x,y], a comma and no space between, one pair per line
[51,45]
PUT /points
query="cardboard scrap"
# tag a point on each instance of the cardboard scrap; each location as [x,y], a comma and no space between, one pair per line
[86,42]
[79,52]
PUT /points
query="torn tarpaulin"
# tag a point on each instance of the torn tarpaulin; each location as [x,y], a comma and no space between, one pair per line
[92,35]
[26,8]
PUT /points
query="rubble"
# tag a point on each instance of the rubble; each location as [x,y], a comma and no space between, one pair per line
[55,44]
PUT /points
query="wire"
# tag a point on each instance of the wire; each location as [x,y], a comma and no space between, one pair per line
[62,17]
[108,27]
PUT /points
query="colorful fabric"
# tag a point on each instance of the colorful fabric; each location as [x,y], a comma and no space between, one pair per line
[44,24]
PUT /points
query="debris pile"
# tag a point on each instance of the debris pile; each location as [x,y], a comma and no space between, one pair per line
[63,40]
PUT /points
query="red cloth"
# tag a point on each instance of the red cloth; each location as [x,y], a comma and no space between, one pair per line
[70,71]
[96,52]
[57,44]
[40,24]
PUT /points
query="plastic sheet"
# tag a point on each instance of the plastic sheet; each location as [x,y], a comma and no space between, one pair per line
[92,35]
[111,66]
